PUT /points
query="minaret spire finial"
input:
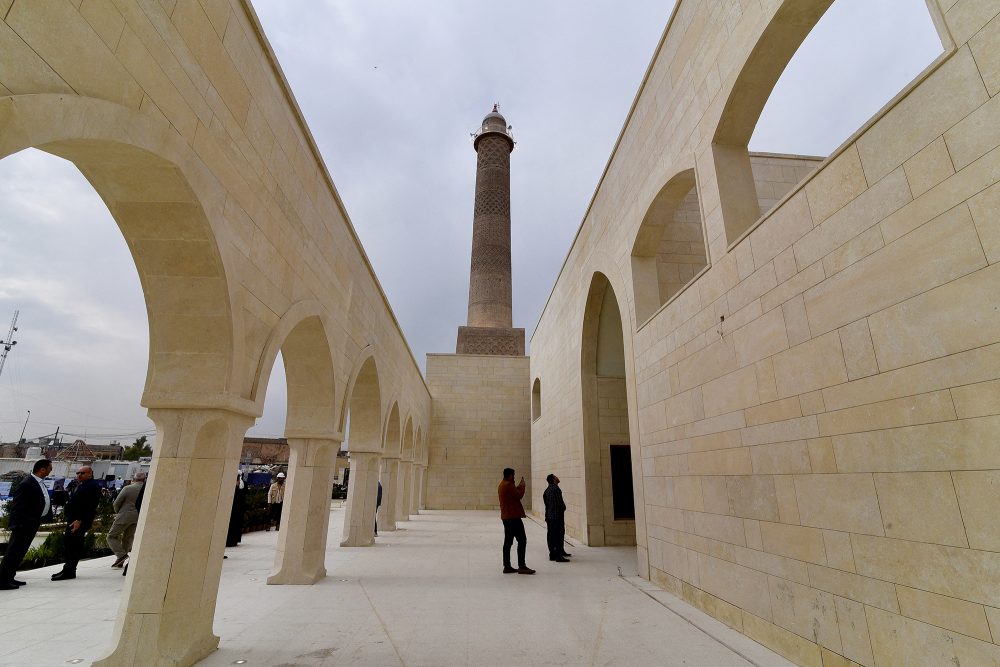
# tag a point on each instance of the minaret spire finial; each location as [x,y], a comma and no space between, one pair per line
[496,107]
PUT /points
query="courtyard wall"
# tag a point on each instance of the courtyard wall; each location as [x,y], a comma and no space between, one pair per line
[480,417]
[814,418]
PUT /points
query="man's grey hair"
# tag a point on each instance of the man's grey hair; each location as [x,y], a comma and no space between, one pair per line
[139,477]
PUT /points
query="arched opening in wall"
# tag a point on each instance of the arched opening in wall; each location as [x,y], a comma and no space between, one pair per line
[363,428]
[83,339]
[388,472]
[669,250]
[536,399]
[88,327]
[404,486]
[793,104]
[421,456]
[609,507]
[301,389]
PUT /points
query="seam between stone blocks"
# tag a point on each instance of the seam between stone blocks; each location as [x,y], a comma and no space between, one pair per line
[695,625]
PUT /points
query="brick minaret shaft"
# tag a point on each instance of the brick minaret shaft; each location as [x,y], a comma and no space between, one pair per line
[490,326]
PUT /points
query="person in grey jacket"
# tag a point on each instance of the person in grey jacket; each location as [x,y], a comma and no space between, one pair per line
[126,518]
[555,520]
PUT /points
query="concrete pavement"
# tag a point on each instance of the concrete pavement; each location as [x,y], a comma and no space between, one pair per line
[431,593]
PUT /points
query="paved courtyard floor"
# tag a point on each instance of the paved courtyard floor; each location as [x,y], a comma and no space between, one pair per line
[430,593]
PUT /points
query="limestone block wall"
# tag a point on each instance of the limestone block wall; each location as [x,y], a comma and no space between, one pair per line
[480,418]
[817,415]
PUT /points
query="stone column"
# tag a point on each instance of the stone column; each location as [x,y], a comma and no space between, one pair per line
[168,602]
[305,516]
[422,497]
[362,492]
[390,475]
[403,504]
[415,489]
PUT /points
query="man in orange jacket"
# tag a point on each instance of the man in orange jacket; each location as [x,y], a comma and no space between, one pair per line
[511,513]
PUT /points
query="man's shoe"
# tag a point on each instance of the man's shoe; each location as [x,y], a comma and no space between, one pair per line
[566,555]
[63,576]
[8,586]
[507,569]
[120,561]
[525,570]
[18,582]
[559,559]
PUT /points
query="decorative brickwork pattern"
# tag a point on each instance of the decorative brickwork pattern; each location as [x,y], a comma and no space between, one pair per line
[487,340]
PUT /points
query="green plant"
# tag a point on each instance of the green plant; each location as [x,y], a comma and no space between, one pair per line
[137,449]
[53,550]
[255,511]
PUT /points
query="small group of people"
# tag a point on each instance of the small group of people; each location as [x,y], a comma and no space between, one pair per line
[31,504]
[512,513]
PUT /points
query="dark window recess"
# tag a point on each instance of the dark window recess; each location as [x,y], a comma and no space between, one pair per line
[621,482]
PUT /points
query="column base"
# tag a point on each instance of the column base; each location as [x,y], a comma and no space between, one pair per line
[142,644]
[296,578]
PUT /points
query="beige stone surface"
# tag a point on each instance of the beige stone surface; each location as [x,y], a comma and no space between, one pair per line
[862,446]
[921,506]
[977,497]
[480,425]
[179,116]
[944,612]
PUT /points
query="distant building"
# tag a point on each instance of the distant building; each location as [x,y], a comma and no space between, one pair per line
[265,451]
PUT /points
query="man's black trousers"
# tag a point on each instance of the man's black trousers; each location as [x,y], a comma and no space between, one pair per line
[513,529]
[556,535]
[74,548]
[17,547]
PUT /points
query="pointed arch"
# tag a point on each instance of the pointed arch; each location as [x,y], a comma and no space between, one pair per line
[307,353]
[609,500]
[363,407]
[165,202]
[407,444]
[779,41]
[536,399]
[669,251]
[392,442]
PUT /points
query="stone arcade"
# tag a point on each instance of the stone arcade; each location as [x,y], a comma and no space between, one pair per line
[801,382]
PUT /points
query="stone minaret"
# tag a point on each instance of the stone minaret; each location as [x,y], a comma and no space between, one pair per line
[490,328]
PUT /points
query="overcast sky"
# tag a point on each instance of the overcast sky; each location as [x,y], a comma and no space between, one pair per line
[391,90]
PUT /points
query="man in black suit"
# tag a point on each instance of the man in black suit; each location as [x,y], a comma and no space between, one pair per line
[27,507]
[555,520]
[80,512]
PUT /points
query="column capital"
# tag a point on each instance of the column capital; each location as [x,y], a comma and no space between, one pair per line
[199,432]
[301,434]
[313,452]
[172,401]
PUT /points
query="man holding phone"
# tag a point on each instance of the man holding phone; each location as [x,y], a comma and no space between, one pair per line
[511,513]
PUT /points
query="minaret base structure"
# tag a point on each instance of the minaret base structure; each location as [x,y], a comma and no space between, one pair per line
[490,340]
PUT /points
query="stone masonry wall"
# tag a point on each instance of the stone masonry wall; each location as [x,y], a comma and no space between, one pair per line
[820,468]
[480,415]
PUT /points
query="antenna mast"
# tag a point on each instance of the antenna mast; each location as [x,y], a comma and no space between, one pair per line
[9,341]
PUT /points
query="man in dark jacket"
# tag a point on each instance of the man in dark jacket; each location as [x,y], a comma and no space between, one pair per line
[27,507]
[555,520]
[80,512]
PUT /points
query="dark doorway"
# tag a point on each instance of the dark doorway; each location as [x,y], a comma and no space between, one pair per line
[621,482]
